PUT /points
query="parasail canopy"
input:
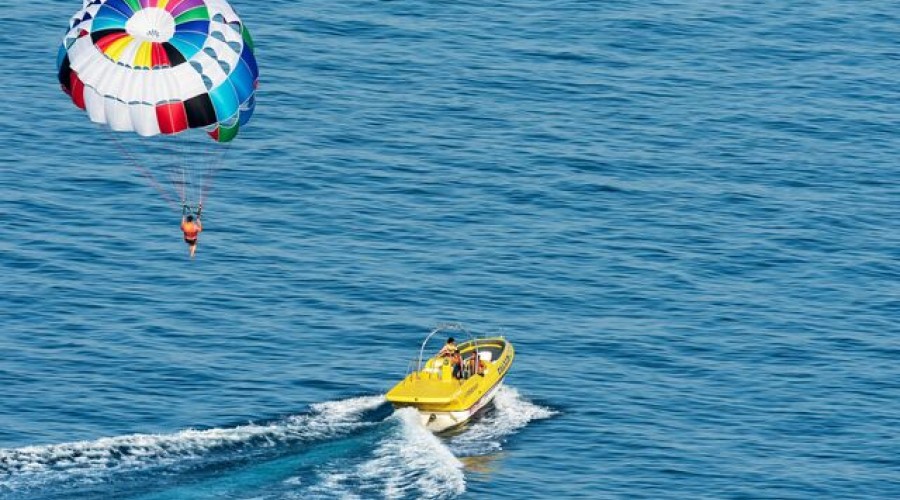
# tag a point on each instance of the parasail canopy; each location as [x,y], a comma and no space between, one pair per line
[160,66]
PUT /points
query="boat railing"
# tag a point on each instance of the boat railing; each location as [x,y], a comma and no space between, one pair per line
[419,367]
[436,368]
[443,327]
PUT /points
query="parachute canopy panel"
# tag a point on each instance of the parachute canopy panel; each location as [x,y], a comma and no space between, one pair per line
[160,66]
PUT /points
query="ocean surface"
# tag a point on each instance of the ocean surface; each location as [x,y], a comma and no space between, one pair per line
[685,215]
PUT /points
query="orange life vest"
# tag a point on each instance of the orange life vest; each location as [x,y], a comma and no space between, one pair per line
[191,230]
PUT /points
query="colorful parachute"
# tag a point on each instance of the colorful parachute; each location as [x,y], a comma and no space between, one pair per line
[160,66]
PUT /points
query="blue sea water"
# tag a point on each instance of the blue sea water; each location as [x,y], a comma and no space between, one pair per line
[684,215]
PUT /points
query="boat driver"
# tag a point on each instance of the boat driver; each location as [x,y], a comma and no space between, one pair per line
[451,351]
[449,348]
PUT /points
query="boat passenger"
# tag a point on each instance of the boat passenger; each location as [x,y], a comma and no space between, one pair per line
[476,365]
[451,351]
[456,361]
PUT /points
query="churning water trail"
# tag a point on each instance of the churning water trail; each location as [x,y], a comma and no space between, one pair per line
[410,462]
[510,413]
[92,462]
[394,457]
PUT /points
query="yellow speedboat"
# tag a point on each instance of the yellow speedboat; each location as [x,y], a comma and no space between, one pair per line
[447,395]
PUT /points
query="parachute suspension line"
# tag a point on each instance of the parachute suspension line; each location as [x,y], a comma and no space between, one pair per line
[175,172]
[184,199]
[189,173]
[191,169]
[143,170]
[187,170]
[176,169]
[211,170]
[196,173]
[181,168]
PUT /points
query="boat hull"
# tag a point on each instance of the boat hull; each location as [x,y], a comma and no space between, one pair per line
[437,421]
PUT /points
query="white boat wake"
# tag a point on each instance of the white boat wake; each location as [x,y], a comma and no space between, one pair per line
[511,412]
[357,457]
[411,462]
[93,461]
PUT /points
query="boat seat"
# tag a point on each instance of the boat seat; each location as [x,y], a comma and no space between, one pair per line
[485,356]
[433,365]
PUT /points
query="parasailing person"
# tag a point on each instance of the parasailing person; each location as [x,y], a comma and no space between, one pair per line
[162,71]
[191,228]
